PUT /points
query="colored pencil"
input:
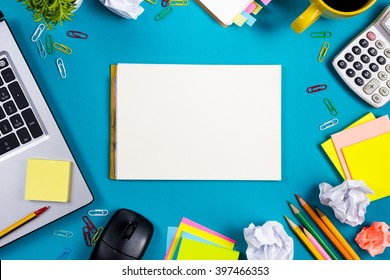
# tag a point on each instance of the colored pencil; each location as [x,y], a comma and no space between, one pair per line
[317,245]
[304,239]
[323,227]
[311,229]
[337,234]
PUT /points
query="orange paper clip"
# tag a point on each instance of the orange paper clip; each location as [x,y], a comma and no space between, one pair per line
[316,88]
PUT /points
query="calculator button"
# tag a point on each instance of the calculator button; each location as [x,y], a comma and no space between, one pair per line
[381,60]
[8,75]
[357,65]
[372,51]
[374,67]
[350,73]
[359,81]
[356,50]
[382,75]
[342,64]
[387,52]
[371,36]
[388,84]
[379,44]
[371,86]
[3,63]
[376,98]
[349,57]
[365,58]
[366,74]
[364,43]
[387,68]
[384,91]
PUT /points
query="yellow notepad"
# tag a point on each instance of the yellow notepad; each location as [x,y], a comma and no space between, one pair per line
[48,180]
[196,250]
[369,161]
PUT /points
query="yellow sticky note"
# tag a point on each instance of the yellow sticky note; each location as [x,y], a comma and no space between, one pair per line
[196,250]
[48,180]
[257,9]
[369,161]
[330,150]
[239,20]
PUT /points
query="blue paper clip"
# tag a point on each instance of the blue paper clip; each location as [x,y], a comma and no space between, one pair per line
[62,48]
[321,34]
[329,124]
[332,110]
[77,34]
[61,67]
[98,212]
[316,88]
[41,48]
[64,253]
[163,14]
[178,2]
[38,32]
[62,233]
[324,49]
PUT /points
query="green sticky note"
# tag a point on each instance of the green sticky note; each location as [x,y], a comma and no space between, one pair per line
[48,180]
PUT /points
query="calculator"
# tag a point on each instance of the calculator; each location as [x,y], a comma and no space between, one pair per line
[364,64]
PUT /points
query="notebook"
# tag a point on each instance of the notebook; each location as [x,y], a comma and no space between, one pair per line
[28,130]
[196,122]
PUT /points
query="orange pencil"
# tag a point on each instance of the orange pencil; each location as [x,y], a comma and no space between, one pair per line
[337,234]
[324,228]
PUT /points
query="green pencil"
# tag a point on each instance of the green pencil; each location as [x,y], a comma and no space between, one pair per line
[310,228]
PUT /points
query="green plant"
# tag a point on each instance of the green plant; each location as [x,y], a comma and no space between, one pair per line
[50,12]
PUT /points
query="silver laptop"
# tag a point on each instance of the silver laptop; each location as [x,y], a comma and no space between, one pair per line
[28,130]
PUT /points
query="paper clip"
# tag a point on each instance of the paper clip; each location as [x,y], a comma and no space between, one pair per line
[49,44]
[164,3]
[38,32]
[41,48]
[64,253]
[161,15]
[330,107]
[61,67]
[325,34]
[87,236]
[178,2]
[316,88]
[152,1]
[329,124]
[62,48]
[98,212]
[77,34]
[89,224]
[96,237]
[323,51]
[62,233]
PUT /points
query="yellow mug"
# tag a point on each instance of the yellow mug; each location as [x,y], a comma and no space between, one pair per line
[332,9]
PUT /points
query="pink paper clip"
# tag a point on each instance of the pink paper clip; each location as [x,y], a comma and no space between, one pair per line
[91,227]
[77,34]
[316,88]
[87,236]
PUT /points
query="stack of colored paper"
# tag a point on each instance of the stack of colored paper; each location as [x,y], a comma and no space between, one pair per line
[192,241]
[362,152]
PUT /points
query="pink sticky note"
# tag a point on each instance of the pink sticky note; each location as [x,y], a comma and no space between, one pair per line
[357,134]
[250,8]
[265,2]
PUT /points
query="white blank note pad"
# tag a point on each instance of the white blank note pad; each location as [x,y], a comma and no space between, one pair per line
[198,122]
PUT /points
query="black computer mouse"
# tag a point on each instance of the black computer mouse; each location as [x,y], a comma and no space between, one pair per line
[125,237]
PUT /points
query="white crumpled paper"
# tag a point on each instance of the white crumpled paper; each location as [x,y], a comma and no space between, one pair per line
[268,242]
[125,8]
[348,200]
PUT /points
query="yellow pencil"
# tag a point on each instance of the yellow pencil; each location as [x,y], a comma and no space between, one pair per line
[304,239]
[337,234]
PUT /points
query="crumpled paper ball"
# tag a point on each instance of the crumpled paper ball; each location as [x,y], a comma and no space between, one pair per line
[268,242]
[348,200]
[374,239]
[129,9]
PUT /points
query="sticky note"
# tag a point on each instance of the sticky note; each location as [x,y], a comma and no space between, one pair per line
[250,8]
[250,20]
[196,250]
[48,180]
[266,2]
[257,9]
[330,150]
[239,20]
[369,161]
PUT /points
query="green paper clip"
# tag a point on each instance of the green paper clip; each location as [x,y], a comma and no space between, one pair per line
[330,107]
[49,44]
[322,34]
[62,48]
[323,51]
[163,14]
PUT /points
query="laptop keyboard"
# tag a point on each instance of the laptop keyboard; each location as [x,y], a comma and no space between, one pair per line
[18,124]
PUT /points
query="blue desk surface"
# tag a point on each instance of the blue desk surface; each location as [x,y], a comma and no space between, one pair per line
[189,35]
